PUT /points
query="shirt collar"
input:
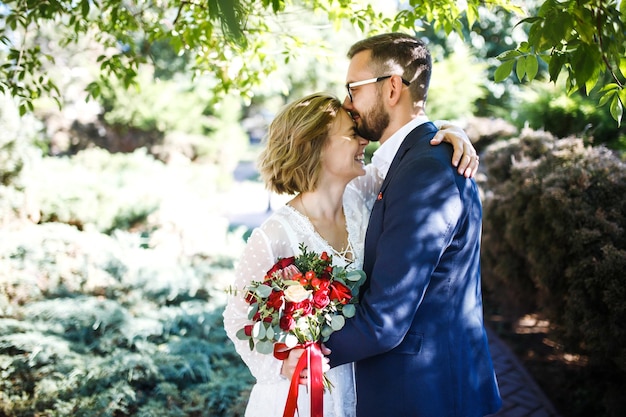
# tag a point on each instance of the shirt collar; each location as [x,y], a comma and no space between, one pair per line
[383,157]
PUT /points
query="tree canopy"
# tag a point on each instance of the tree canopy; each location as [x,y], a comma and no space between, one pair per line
[239,42]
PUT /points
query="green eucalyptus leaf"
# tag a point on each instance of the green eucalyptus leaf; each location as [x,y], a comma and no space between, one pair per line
[349,310]
[355,275]
[252,310]
[263,290]
[337,322]
[241,335]
[265,347]
[326,331]
[258,331]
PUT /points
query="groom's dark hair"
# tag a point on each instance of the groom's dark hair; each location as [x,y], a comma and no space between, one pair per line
[399,54]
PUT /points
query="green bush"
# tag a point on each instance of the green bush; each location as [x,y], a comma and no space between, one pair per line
[549,107]
[92,324]
[554,240]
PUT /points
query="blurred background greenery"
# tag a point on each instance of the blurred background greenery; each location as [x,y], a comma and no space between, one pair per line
[123,209]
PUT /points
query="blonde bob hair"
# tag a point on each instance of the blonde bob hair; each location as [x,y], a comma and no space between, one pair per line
[290,161]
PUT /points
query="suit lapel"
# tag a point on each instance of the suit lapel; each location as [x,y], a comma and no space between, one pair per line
[412,138]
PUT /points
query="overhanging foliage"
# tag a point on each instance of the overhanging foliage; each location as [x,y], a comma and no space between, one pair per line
[235,40]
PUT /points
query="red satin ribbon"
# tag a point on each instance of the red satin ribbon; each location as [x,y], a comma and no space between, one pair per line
[311,358]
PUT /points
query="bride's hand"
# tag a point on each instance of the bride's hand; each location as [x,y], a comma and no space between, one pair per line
[289,365]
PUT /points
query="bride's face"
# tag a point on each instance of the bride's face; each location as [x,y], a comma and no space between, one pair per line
[344,151]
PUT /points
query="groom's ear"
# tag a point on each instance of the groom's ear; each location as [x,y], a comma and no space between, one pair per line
[395,89]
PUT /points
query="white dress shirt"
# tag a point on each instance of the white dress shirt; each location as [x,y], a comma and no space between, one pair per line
[383,156]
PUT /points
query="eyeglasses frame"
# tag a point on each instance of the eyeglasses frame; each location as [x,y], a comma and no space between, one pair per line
[351,85]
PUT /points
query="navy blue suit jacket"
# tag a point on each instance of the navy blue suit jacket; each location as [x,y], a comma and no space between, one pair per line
[418,338]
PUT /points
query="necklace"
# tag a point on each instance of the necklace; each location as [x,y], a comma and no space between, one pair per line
[346,249]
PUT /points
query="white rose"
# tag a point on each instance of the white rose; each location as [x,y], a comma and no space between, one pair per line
[296,293]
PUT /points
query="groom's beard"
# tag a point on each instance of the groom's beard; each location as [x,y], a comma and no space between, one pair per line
[374,122]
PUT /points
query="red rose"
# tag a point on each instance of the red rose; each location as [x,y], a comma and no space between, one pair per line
[247,329]
[281,264]
[324,284]
[340,292]
[306,307]
[275,300]
[290,307]
[287,322]
[321,298]
[324,256]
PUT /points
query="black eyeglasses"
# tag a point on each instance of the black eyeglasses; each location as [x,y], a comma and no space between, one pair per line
[350,86]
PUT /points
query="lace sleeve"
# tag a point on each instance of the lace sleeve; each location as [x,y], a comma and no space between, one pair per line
[256,259]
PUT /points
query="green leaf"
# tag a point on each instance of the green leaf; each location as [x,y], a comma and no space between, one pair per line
[555,66]
[269,332]
[617,110]
[592,80]
[337,322]
[252,310]
[605,98]
[530,20]
[472,14]
[622,95]
[622,61]
[265,347]
[520,68]
[503,71]
[532,66]
[326,331]
[258,331]
[507,55]
[349,310]
[524,47]
[355,275]
[241,335]
[263,290]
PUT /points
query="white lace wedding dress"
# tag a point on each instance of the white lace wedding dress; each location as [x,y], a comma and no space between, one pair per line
[280,236]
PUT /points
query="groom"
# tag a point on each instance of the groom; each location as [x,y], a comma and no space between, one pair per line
[417,340]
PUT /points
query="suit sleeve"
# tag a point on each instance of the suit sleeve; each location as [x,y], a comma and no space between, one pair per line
[421,211]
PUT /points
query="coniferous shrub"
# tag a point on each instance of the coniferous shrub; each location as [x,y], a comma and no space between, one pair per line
[92,324]
[554,240]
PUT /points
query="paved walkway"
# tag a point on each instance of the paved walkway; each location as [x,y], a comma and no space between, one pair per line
[521,395]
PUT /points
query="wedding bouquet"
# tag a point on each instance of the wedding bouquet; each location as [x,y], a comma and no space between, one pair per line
[300,302]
